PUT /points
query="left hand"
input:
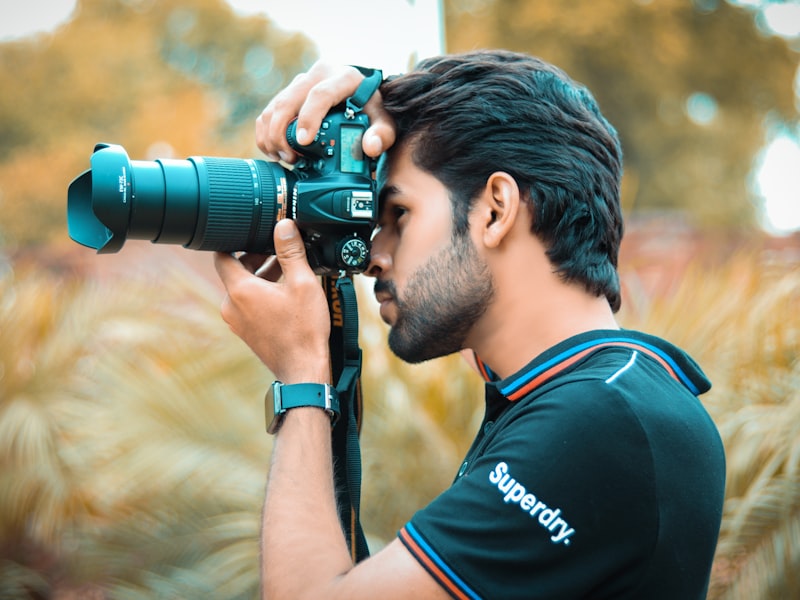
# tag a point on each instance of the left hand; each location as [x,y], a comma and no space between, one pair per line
[285,322]
[309,98]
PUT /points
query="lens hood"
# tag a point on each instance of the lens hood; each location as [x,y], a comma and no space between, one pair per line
[99,200]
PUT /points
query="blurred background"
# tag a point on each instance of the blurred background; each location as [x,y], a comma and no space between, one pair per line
[133,456]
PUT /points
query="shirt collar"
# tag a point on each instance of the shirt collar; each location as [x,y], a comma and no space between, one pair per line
[562,357]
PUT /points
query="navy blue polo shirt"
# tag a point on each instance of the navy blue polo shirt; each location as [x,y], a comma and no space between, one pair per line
[597,473]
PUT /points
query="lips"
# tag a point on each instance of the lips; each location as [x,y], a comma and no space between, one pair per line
[382,297]
[384,290]
[386,299]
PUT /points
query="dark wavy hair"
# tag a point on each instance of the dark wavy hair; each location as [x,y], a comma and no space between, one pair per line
[468,115]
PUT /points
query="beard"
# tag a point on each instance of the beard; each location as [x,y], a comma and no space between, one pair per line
[443,300]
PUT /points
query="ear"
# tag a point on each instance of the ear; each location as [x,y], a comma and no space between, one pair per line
[497,209]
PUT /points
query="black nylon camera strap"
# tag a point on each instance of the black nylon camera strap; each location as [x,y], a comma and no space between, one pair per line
[346,372]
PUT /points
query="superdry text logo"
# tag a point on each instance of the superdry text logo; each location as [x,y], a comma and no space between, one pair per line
[515,493]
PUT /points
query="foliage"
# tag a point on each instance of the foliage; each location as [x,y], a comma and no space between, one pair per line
[647,63]
[740,321]
[133,452]
[174,77]
[187,77]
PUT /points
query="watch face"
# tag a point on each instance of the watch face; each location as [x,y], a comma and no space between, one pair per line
[272,407]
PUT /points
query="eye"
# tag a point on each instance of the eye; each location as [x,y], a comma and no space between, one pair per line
[398,212]
[392,214]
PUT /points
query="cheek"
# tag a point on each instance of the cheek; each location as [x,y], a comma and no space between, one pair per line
[410,258]
[422,239]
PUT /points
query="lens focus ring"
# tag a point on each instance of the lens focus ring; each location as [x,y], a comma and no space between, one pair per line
[232,205]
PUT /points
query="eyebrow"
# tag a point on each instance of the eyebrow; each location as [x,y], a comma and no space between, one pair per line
[386,193]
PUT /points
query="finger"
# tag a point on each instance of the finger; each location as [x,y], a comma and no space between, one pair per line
[381,133]
[270,270]
[333,85]
[262,136]
[271,124]
[291,253]
[232,274]
[263,140]
[252,261]
[229,269]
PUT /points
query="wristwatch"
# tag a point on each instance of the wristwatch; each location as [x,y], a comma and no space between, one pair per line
[282,397]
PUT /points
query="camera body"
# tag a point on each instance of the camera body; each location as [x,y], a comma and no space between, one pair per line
[334,200]
[230,204]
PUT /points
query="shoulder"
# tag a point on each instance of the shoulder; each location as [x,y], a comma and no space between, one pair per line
[619,386]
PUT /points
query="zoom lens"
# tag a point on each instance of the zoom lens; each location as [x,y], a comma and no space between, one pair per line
[203,203]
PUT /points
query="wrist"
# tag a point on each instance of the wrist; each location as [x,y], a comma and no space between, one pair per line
[282,398]
[307,418]
[321,377]
[310,367]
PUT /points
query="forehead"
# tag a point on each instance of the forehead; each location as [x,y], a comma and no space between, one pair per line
[398,176]
[387,168]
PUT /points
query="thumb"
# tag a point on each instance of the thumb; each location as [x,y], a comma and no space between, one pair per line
[378,138]
[289,248]
[381,133]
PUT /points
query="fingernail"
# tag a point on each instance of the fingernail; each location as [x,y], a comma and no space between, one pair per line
[285,231]
[373,142]
[302,137]
[284,156]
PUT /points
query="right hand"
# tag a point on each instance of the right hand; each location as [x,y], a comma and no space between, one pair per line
[280,310]
[309,98]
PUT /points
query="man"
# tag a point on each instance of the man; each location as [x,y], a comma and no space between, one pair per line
[597,473]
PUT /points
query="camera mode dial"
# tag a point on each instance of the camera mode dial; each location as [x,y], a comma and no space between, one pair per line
[353,253]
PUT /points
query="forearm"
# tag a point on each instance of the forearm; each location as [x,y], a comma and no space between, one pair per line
[304,550]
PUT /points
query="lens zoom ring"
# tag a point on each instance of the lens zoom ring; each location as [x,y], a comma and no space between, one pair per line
[231,205]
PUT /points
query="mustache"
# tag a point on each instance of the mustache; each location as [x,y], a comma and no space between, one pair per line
[385,286]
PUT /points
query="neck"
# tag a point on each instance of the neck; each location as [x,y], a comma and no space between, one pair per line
[533,310]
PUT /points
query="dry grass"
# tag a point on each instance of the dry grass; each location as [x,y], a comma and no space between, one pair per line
[132,440]
[133,453]
[741,321]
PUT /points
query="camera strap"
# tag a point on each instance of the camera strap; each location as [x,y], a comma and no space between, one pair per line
[346,373]
[368,86]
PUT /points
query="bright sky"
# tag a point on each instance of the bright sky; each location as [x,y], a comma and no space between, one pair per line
[778,183]
[383,34]
[389,33]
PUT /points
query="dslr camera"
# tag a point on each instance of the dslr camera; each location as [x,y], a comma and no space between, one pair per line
[231,204]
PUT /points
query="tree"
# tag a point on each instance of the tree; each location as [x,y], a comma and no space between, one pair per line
[188,74]
[688,85]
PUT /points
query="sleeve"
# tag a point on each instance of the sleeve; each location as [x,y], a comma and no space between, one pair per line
[560,496]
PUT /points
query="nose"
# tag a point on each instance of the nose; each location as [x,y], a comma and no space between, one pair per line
[380,260]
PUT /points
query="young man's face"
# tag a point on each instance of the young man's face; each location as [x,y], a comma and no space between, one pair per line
[432,288]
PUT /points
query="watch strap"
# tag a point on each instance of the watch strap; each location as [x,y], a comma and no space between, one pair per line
[320,395]
[282,398]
